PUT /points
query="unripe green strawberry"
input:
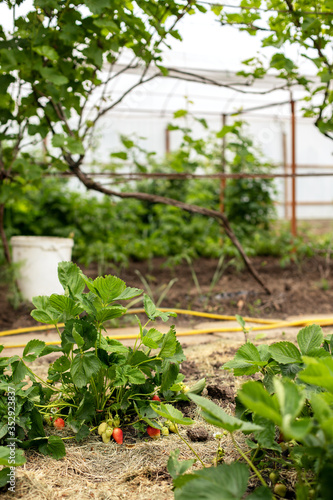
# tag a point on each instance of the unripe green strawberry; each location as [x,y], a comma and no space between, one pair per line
[171,425]
[165,431]
[274,477]
[109,431]
[106,439]
[220,451]
[116,421]
[48,419]
[102,428]
[283,446]
[280,489]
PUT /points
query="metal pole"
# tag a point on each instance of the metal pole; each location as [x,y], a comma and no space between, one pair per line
[293,169]
[167,140]
[223,165]
[285,169]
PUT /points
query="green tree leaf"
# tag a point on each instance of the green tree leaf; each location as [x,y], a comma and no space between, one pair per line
[180,113]
[51,75]
[75,146]
[46,51]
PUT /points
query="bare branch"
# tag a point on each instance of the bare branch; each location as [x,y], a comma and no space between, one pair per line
[115,103]
[193,77]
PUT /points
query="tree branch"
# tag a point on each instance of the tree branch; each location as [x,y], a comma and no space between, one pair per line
[193,77]
[108,108]
[3,235]
[194,209]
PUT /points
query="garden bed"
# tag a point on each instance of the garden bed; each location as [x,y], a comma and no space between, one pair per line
[304,288]
[138,468]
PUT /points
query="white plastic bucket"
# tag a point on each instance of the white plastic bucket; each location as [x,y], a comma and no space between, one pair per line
[38,257]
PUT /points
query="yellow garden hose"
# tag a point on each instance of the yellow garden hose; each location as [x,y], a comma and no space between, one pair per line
[266,325]
[207,315]
[29,329]
[137,311]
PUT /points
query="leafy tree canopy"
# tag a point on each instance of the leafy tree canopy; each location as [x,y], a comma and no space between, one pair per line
[306,25]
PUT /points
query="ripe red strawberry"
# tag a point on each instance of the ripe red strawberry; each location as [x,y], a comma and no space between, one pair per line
[153,433]
[155,398]
[118,435]
[59,423]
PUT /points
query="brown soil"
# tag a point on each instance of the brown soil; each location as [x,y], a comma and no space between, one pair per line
[305,288]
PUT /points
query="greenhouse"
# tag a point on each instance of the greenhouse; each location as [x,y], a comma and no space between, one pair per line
[166,276]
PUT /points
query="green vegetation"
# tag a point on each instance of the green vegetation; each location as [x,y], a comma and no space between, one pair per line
[95,379]
[112,232]
[288,414]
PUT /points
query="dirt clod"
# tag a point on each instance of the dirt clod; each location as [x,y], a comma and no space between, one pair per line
[197,434]
[190,369]
[220,392]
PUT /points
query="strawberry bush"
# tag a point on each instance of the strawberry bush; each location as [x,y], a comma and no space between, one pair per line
[288,417]
[96,382]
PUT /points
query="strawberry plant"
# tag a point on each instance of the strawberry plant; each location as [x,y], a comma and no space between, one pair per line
[288,415]
[96,381]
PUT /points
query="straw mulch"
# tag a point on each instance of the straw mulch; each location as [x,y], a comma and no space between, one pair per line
[138,468]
